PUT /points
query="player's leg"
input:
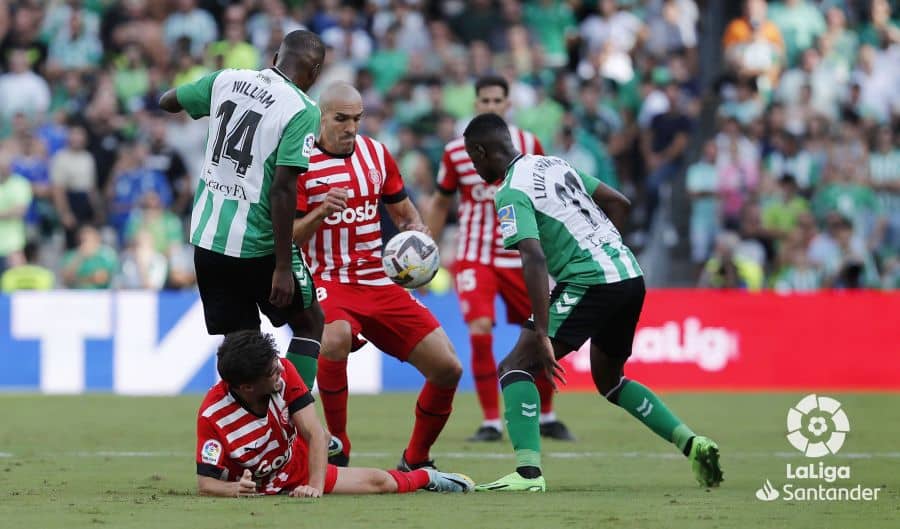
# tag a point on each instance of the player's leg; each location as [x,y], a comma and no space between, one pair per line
[511,286]
[307,322]
[356,480]
[435,358]
[333,386]
[521,402]
[611,348]
[476,288]
[228,305]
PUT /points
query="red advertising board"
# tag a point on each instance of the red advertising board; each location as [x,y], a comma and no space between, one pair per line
[720,340]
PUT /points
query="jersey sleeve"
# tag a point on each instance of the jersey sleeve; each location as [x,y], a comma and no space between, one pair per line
[447,178]
[302,195]
[299,138]
[296,394]
[515,212]
[590,183]
[210,450]
[393,190]
[538,148]
[196,97]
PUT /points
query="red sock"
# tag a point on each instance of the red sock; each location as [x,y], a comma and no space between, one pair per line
[484,370]
[432,411]
[545,390]
[410,481]
[332,379]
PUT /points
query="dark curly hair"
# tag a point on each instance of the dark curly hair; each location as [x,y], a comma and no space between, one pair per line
[245,356]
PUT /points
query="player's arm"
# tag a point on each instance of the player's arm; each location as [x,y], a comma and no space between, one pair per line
[405,215]
[303,415]
[306,224]
[194,97]
[442,199]
[436,214]
[534,269]
[283,200]
[313,433]
[208,486]
[611,201]
[399,207]
[211,466]
[291,158]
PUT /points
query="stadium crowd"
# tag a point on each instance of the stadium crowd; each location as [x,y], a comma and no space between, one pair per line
[798,187]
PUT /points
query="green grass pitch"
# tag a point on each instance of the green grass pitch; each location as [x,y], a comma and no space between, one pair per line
[118,462]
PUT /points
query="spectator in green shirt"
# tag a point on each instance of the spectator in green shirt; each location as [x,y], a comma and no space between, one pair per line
[15,197]
[702,186]
[880,28]
[92,265]
[163,226]
[389,63]
[28,275]
[780,214]
[800,23]
[234,52]
[552,22]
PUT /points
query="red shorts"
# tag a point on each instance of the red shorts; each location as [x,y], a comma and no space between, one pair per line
[388,316]
[477,285]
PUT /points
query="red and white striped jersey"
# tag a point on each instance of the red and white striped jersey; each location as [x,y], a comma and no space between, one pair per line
[230,438]
[347,246]
[479,231]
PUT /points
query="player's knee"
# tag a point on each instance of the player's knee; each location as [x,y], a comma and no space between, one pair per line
[449,371]
[336,343]
[382,482]
[481,326]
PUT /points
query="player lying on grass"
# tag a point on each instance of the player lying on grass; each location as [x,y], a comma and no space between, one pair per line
[553,215]
[248,442]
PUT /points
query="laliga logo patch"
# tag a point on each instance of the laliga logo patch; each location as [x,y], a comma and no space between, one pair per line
[210,452]
[308,143]
[507,216]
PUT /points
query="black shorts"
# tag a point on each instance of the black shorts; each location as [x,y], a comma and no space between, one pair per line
[607,314]
[234,290]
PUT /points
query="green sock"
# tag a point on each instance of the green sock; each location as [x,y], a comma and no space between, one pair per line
[522,412]
[304,354]
[646,407]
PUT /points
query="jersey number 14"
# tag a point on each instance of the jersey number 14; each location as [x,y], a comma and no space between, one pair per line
[227,143]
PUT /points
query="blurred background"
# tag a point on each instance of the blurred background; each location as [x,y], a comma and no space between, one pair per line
[758,142]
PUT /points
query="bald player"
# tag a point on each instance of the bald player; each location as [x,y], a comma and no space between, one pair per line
[262,130]
[339,228]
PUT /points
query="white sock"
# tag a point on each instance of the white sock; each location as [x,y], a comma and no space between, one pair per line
[548,417]
[493,423]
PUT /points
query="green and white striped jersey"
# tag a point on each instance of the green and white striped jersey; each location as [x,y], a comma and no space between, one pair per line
[258,119]
[545,198]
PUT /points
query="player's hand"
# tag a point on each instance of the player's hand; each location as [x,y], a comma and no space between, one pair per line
[246,486]
[305,491]
[553,370]
[282,287]
[335,200]
[413,226]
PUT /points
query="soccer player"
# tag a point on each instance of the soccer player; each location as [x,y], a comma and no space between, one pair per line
[339,228]
[248,442]
[483,267]
[262,129]
[555,217]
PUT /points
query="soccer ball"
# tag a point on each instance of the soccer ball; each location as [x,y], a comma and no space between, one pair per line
[411,259]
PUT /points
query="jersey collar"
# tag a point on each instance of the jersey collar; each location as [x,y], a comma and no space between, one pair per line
[333,155]
[511,164]
[281,74]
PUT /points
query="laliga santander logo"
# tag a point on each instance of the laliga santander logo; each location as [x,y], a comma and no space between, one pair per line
[817,426]
[710,348]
